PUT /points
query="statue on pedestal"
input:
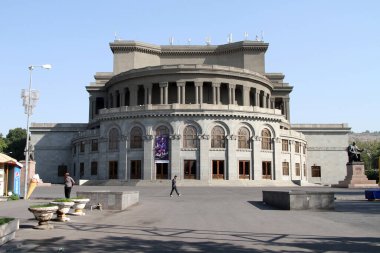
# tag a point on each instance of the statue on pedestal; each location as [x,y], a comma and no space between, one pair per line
[354,153]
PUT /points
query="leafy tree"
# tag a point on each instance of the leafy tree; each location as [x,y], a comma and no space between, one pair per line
[3,143]
[16,142]
[370,157]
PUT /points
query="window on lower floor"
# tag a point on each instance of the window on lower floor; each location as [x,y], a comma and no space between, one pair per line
[81,170]
[285,168]
[244,169]
[315,171]
[267,169]
[62,169]
[94,168]
[298,169]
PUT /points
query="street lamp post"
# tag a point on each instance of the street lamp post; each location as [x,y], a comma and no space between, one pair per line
[30,98]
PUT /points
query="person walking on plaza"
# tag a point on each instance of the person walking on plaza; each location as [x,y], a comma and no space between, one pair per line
[174,187]
[69,183]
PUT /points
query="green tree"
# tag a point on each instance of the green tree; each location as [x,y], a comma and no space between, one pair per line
[370,157]
[3,143]
[16,142]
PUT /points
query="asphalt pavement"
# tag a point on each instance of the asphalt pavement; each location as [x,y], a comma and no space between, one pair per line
[202,219]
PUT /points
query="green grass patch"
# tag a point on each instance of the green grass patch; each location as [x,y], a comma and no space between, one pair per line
[62,200]
[4,220]
[42,205]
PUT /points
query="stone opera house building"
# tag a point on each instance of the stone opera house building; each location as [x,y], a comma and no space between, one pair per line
[208,114]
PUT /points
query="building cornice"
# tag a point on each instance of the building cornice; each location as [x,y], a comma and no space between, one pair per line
[120,46]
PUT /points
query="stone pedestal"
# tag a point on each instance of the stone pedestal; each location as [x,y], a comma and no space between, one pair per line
[356,177]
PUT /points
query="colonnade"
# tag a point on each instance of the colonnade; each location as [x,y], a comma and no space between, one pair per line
[135,95]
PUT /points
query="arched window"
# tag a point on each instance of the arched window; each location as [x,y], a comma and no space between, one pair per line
[266,139]
[136,138]
[190,137]
[162,131]
[217,139]
[113,139]
[243,138]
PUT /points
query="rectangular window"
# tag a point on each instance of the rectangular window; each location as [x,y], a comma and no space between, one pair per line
[244,169]
[285,168]
[297,147]
[94,145]
[266,170]
[112,170]
[135,169]
[304,148]
[82,145]
[285,145]
[62,169]
[81,170]
[316,171]
[75,149]
[298,169]
[94,168]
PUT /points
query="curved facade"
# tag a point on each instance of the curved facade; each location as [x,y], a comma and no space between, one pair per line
[199,112]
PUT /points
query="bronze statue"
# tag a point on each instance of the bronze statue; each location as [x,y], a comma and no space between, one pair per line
[354,153]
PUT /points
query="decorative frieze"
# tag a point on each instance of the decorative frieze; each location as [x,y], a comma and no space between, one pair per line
[175,137]
[148,137]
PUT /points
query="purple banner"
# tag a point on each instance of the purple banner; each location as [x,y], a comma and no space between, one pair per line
[161,149]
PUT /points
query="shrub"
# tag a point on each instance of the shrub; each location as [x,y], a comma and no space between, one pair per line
[4,220]
[14,197]
[372,175]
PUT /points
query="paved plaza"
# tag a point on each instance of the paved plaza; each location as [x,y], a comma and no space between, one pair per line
[203,219]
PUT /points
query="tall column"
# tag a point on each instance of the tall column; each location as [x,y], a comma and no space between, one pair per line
[231,93]
[232,165]
[258,98]
[181,92]
[122,97]
[91,111]
[216,93]
[272,101]
[213,94]
[257,162]
[201,94]
[148,167]
[175,147]
[148,93]
[133,93]
[287,109]
[198,92]
[123,167]
[246,95]
[204,162]
[277,162]
[164,93]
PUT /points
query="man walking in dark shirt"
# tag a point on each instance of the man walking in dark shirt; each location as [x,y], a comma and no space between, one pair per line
[174,186]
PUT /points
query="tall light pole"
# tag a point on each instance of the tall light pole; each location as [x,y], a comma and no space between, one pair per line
[30,98]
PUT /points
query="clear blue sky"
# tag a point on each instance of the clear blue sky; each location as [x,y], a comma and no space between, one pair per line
[328,50]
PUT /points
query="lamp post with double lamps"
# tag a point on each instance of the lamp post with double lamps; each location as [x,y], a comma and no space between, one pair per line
[30,98]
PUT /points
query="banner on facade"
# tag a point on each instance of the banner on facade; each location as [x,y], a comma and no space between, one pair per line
[161,149]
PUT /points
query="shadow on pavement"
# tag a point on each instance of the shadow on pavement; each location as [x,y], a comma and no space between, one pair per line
[152,239]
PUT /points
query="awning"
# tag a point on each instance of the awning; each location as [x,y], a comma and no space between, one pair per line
[9,160]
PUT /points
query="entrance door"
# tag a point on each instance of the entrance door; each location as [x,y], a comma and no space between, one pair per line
[162,171]
[112,170]
[190,169]
[243,169]
[267,170]
[135,169]
[218,169]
